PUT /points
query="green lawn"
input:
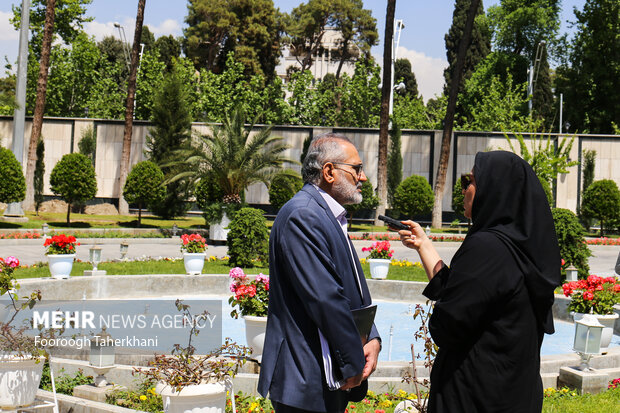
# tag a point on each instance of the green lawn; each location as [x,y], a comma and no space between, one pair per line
[411,273]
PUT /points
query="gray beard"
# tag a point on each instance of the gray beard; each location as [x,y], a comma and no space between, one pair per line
[348,192]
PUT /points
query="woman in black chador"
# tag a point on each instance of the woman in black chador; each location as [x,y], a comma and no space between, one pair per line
[493,304]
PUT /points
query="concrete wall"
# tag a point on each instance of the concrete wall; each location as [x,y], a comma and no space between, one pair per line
[420,151]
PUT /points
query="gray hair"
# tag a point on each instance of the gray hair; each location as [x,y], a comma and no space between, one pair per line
[324,148]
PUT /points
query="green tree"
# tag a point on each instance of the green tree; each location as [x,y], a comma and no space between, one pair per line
[589,162]
[88,143]
[144,186]
[250,28]
[13,188]
[573,247]
[458,198]
[308,22]
[73,179]
[234,157]
[370,200]
[602,201]
[39,172]
[361,98]
[169,49]
[70,16]
[171,131]
[7,93]
[414,196]
[150,82]
[404,74]
[480,43]
[590,81]
[394,162]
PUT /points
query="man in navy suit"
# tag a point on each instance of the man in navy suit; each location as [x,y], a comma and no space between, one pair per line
[315,281]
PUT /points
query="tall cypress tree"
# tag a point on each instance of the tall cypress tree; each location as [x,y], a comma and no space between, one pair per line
[479,48]
[403,73]
[39,171]
[394,162]
[172,131]
[542,100]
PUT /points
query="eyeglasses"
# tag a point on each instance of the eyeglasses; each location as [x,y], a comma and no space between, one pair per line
[466,180]
[358,168]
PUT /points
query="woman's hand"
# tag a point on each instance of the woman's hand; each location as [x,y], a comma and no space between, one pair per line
[414,237]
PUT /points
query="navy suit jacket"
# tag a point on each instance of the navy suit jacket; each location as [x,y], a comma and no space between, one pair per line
[312,286]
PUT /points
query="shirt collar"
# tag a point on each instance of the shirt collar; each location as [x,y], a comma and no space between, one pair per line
[336,209]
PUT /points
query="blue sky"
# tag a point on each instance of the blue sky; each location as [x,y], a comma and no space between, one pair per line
[422,39]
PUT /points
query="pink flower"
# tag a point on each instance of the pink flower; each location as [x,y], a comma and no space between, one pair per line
[588,296]
[237,273]
[12,262]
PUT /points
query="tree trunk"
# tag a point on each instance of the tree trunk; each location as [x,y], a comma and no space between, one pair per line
[68,213]
[446,137]
[39,106]
[385,109]
[123,207]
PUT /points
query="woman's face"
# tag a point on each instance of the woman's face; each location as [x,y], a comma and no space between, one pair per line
[469,191]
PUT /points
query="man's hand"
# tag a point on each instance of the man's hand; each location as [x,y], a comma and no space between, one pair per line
[371,352]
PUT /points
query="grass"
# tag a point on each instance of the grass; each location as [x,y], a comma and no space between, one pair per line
[217,266]
[607,401]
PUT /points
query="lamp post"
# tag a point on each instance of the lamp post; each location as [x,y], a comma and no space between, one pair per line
[588,333]
[174,230]
[102,356]
[399,27]
[571,273]
[94,255]
[124,249]
[45,229]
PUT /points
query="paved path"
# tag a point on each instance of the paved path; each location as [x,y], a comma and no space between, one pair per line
[29,252]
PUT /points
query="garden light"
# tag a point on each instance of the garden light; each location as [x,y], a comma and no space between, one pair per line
[588,332]
[571,273]
[102,356]
[94,255]
[124,249]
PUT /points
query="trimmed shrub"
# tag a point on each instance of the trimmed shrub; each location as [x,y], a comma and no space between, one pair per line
[414,196]
[458,198]
[73,179]
[144,186]
[370,200]
[209,195]
[248,238]
[88,144]
[573,247]
[602,201]
[13,188]
[283,188]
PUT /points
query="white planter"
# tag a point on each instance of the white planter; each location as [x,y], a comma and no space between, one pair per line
[194,262]
[379,268]
[60,265]
[19,381]
[218,232]
[608,322]
[196,398]
[255,335]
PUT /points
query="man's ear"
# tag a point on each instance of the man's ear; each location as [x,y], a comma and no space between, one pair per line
[328,173]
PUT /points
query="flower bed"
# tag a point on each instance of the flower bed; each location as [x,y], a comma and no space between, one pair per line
[603,241]
[20,235]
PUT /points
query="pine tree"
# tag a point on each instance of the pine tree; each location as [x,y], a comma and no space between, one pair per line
[403,73]
[172,131]
[480,44]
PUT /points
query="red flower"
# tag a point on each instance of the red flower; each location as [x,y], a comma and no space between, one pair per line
[588,296]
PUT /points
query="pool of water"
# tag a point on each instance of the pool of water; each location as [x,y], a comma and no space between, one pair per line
[397,317]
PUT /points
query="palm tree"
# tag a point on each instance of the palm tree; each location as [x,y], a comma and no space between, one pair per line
[234,158]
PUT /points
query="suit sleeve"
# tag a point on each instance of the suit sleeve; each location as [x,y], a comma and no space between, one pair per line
[467,293]
[313,276]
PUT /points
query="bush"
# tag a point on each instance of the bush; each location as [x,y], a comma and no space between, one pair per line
[602,201]
[370,200]
[13,188]
[209,195]
[248,238]
[282,188]
[414,196]
[88,144]
[573,247]
[39,172]
[73,179]
[144,186]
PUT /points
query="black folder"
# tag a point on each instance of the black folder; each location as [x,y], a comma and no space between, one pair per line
[364,318]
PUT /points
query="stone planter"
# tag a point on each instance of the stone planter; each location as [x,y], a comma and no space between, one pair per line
[19,380]
[60,265]
[195,398]
[608,322]
[255,335]
[379,268]
[194,262]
